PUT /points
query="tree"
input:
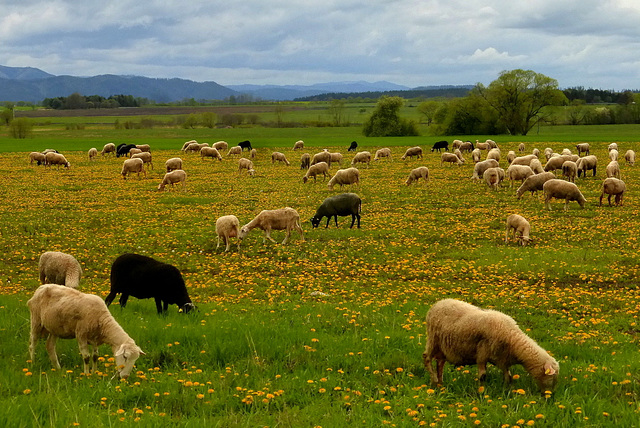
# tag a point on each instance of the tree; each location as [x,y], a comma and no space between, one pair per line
[336,110]
[428,109]
[385,120]
[20,127]
[518,96]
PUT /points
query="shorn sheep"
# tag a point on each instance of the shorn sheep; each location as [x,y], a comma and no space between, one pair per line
[411,152]
[315,170]
[236,150]
[220,145]
[569,170]
[345,176]
[613,169]
[418,173]
[187,144]
[613,187]
[173,177]
[491,177]
[279,157]
[61,312]
[561,189]
[173,164]
[321,157]
[481,167]
[583,148]
[342,205]
[462,334]
[268,220]
[131,166]
[518,173]
[305,161]
[59,268]
[144,277]
[587,163]
[227,227]
[450,158]
[520,227]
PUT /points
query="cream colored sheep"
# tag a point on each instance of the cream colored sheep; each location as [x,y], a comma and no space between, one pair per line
[268,220]
[37,157]
[383,153]
[323,156]
[476,155]
[450,158]
[235,150]
[554,163]
[298,145]
[173,164]
[345,176]
[520,227]
[58,159]
[193,148]
[144,147]
[481,167]
[511,156]
[210,152]
[534,183]
[413,151]
[61,312]
[518,172]
[536,153]
[613,187]
[523,160]
[187,144]
[521,147]
[130,166]
[108,148]
[613,169]
[458,153]
[416,174]
[613,146]
[146,158]
[583,148]
[227,226]
[336,158]
[587,163]
[315,170]
[93,152]
[494,154]
[613,155]
[361,157]
[305,161]
[134,151]
[630,157]
[279,157]
[547,153]
[460,333]
[244,163]
[59,268]
[570,170]
[536,166]
[455,144]
[566,152]
[561,189]
[173,177]
[482,146]
[253,153]
[491,177]
[220,146]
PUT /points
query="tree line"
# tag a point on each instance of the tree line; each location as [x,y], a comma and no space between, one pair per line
[79,101]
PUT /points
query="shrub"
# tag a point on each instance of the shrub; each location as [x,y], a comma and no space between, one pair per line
[21,127]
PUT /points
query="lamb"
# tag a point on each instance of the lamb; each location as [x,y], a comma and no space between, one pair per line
[461,334]
[416,174]
[58,159]
[450,158]
[587,163]
[108,148]
[583,148]
[135,165]
[561,189]
[173,164]
[244,163]
[494,154]
[37,157]
[521,229]
[298,145]
[481,167]
[227,226]
[61,312]
[613,146]
[246,144]
[268,220]
[305,160]
[521,147]
[59,268]
[336,158]
[237,150]
[519,172]
[476,155]
[439,145]
[343,204]
[536,166]
[315,170]
[220,146]
[629,156]
[143,147]
[511,156]
[345,176]
[210,152]
[323,156]
[144,277]
[173,177]
[492,177]
[93,152]
[534,183]
[146,158]
[569,170]
[613,187]
[361,157]
[280,157]
[384,153]
[613,169]
[352,147]
[187,144]
[613,155]
[411,152]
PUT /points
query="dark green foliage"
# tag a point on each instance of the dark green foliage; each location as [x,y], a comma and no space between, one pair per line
[385,120]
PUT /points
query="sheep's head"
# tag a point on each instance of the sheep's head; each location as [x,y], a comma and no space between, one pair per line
[188,307]
[524,240]
[315,221]
[126,357]
[548,378]
[244,231]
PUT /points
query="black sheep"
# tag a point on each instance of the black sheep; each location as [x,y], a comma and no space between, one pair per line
[143,277]
[123,149]
[343,204]
[352,147]
[440,145]
[246,144]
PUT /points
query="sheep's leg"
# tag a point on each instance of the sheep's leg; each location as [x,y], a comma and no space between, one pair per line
[441,363]
[267,234]
[358,217]
[123,300]
[218,246]
[353,220]
[158,305]
[335,217]
[299,229]
[328,220]
[86,355]
[36,334]
[227,240]
[566,204]
[94,359]
[51,350]
[287,235]
[110,298]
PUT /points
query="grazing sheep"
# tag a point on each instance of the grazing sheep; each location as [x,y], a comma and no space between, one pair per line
[492,177]
[476,155]
[511,156]
[583,148]
[384,153]
[195,147]
[439,145]
[534,183]
[547,153]
[451,158]
[246,144]
[352,147]
[494,154]
[210,152]
[411,152]
[251,172]
[461,334]
[315,170]
[253,153]
[61,312]
[458,153]
[173,177]
[482,146]
[566,152]
[613,155]
[123,149]
[227,226]
[268,220]
[536,166]
[236,150]
[345,176]
[523,160]
[187,144]
[130,166]
[361,157]
[220,146]
[173,164]
[37,157]
[146,158]
[58,159]
[613,187]
[305,160]
[519,172]
[554,163]
[416,174]
[521,229]
[536,152]
[336,158]
[613,169]
[587,163]
[45,151]
[93,152]
[343,204]
[298,145]
[143,147]
[280,157]
[569,170]
[629,156]
[143,277]
[108,148]
[59,268]
[613,146]
[521,147]
[561,189]
[455,144]
[134,151]
[481,167]
[244,163]
[466,146]
[323,156]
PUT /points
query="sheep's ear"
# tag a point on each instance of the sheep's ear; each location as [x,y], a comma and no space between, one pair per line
[549,370]
[120,351]
[141,351]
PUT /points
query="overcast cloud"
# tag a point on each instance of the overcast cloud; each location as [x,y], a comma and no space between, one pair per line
[591,43]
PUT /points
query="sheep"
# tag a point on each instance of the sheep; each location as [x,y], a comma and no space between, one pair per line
[236,150]
[481,167]
[352,147]
[613,187]
[281,219]
[630,157]
[534,183]
[523,160]
[491,177]
[187,144]
[305,160]
[461,334]
[210,152]
[482,146]
[220,146]
[144,277]
[519,172]
[583,148]
[323,156]
[569,170]
[173,177]
[511,156]
[613,155]
[123,149]
[45,151]
[280,157]
[450,158]
[315,170]
[416,174]
[251,172]
[455,144]
[173,164]
[108,148]
[58,159]
[345,176]
[613,146]
[59,268]
[336,158]
[521,229]
[384,153]
[439,145]
[143,147]
[146,158]
[193,148]
[587,163]
[298,145]
[466,146]
[547,153]
[554,163]
[561,189]
[361,157]
[476,155]
[521,147]
[133,165]
[227,226]
[37,157]
[613,169]
[253,153]
[244,163]
[134,151]
[494,154]
[458,153]
[343,204]
[246,144]
[536,152]
[411,152]
[93,152]
[61,312]
[536,166]
[566,152]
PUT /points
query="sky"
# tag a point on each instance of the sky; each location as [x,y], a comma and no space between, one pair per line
[590,43]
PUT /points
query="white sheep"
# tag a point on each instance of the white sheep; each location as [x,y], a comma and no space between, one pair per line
[244,163]
[630,157]
[413,151]
[458,153]
[37,157]
[280,157]
[173,164]
[345,176]
[108,148]
[58,159]
[520,227]
[482,146]
[450,158]
[187,144]
[587,163]
[536,166]
[220,146]
[298,145]
[613,155]
[536,152]
[383,153]
[494,154]
[416,174]
[361,157]
[55,267]
[519,172]
[548,152]
[566,152]
[460,333]
[583,148]
[613,146]
[613,169]
[268,220]
[210,152]
[315,170]
[130,166]
[227,226]
[144,147]
[613,187]
[323,156]
[476,155]
[492,177]
[456,144]
[173,177]
[146,158]
[534,183]
[561,189]
[93,152]
[523,160]
[554,163]
[133,151]
[253,153]
[570,170]
[336,158]
[235,150]
[521,147]
[511,156]
[61,312]
[481,167]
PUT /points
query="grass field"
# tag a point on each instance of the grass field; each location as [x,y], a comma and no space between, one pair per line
[263,349]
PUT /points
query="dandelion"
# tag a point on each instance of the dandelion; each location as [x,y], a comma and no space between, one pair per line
[26,392]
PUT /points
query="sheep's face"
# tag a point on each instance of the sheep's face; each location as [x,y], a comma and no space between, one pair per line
[315,221]
[244,231]
[126,357]
[549,378]
[188,307]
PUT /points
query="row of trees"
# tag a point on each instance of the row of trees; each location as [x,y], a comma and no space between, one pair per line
[79,101]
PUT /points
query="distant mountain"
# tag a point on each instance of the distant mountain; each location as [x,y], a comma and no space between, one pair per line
[22,73]
[290,92]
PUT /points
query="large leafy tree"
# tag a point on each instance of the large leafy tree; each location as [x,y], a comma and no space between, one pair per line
[385,121]
[518,97]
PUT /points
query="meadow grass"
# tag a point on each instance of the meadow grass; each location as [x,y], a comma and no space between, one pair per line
[263,349]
